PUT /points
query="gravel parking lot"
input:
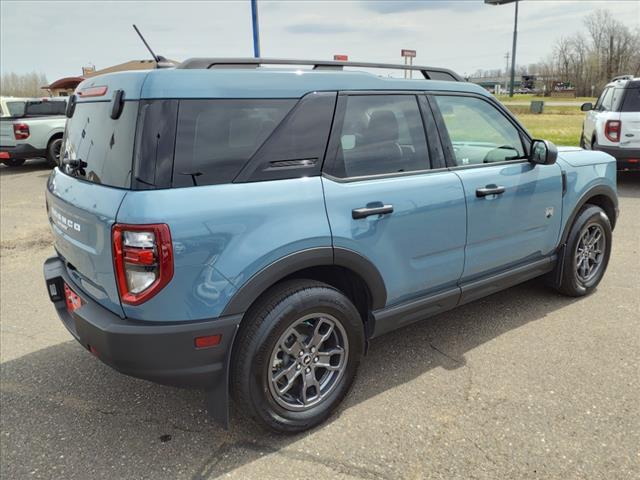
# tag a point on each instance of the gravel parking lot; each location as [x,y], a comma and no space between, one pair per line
[523,384]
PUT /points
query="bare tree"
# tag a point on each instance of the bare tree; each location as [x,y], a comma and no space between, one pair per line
[23,85]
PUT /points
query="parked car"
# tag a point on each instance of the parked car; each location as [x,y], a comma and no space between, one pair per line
[613,124]
[33,131]
[250,230]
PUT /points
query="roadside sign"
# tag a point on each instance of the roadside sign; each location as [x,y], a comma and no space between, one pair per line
[407,53]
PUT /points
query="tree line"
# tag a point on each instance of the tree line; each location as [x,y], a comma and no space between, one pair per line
[588,60]
[23,85]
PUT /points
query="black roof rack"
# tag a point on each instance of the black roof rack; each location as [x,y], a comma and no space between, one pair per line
[429,73]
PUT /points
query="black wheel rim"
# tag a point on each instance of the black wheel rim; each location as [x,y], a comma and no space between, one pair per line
[57,146]
[590,250]
[308,362]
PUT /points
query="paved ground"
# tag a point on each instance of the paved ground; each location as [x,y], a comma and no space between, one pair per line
[524,384]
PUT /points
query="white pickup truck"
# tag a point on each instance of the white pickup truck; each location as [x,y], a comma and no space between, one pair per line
[35,131]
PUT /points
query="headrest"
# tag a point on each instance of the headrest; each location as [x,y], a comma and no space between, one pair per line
[383,127]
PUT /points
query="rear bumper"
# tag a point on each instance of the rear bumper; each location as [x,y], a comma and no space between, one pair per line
[160,352]
[22,151]
[626,158]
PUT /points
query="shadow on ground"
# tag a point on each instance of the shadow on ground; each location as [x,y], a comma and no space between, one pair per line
[62,405]
[30,166]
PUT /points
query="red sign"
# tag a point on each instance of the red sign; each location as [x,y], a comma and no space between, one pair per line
[407,53]
[341,58]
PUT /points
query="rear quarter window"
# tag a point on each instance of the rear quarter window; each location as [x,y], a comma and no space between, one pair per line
[631,102]
[215,138]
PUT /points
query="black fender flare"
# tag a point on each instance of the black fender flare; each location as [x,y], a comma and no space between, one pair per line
[312,257]
[603,190]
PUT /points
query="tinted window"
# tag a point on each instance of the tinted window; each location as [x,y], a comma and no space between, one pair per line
[34,109]
[479,132]
[381,134]
[631,100]
[215,138]
[297,146]
[98,148]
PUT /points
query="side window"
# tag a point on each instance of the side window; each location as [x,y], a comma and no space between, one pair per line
[479,132]
[381,134]
[215,138]
[607,97]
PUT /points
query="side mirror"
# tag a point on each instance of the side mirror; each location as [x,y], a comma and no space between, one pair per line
[585,107]
[543,152]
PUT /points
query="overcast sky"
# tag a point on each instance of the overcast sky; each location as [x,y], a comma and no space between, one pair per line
[58,38]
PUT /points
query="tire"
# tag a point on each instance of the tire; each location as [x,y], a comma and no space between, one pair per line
[575,282]
[53,152]
[14,162]
[265,347]
[593,143]
[582,144]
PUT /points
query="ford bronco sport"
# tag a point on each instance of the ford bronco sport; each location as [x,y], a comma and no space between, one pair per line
[247,229]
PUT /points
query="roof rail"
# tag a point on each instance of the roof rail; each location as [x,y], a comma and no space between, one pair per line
[622,77]
[429,73]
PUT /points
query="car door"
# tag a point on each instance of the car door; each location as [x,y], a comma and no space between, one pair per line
[513,206]
[385,201]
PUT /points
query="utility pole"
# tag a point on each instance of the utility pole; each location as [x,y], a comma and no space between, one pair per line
[256,32]
[515,39]
[506,71]
[513,57]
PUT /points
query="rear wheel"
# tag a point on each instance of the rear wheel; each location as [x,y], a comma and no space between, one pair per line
[14,162]
[53,152]
[296,355]
[587,252]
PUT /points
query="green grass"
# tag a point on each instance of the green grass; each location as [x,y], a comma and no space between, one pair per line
[530,97]
[561,129]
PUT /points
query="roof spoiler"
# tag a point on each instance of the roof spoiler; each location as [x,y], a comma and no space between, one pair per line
[429,73]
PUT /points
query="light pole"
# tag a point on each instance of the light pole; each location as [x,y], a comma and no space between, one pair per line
[256,31]
[515,39]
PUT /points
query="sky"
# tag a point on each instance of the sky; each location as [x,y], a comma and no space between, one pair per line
[59,38]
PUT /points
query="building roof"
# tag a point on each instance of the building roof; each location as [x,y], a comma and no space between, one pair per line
[66,82]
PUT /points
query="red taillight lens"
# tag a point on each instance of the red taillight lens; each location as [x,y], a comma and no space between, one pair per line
[21,131]
[93,91]
[143,258]
[612,130]
[207,341]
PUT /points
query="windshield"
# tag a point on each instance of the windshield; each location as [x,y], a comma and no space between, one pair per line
[98,148]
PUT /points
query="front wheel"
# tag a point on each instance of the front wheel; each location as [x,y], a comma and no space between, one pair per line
[587,252]
[296,355]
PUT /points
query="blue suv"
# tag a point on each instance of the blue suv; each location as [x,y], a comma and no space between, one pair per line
[247,226]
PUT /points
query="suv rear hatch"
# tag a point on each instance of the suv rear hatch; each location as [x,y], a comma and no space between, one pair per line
[84,195]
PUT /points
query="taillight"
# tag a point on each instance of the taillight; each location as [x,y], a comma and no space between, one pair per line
[21,131]
[143,258]
[612,130]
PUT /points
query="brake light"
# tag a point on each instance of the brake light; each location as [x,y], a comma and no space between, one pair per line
[21,131]
[612,130]
[143,259]
[93,91]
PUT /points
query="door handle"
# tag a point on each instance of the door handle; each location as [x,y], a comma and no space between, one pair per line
[490,190]
[378,209]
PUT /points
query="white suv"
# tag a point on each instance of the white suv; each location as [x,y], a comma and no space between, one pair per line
[613,124]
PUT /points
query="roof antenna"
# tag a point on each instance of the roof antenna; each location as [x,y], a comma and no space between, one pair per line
[161,62]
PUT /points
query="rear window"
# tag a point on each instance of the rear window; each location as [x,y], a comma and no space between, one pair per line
[96,147]
[631,100]
[215,138]
[38,109]
[16,109]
